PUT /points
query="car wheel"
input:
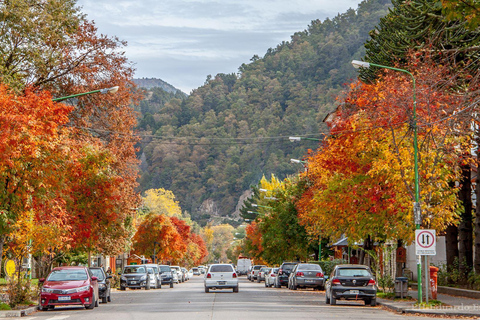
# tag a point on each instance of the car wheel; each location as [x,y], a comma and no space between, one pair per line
[373,302]
[92,304]
[109,299]
[159,285]
[147,285]
[333,301]
[266,285]
[44,308]
[207,290]
[327,299]
[122,288]
[277,285]
[171,284]
[235,289]
[104,299]
[293,286]
[258,279]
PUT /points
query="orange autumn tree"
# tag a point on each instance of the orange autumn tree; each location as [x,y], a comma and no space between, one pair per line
[253,241]
[362,179]
[33,146]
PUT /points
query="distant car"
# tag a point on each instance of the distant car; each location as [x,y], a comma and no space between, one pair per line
[180,275]
[156,272]
[69,286]
[261,274]
[255,271]
[221,276]
[137,277]
[283,274]
[185,273]
[351,282]
[270,277]
[306,275]
[249,273]
[196,271]
[166,275]
[103,280]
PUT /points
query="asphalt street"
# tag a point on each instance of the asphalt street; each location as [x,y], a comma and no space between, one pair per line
[189,301]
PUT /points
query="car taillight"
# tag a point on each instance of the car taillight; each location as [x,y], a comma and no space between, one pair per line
[319,275]
[300,274]
[209,275]
[234,275]
[335,281]
[371,282]
[272,275]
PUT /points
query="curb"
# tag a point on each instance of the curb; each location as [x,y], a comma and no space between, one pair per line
[404,310]
[17,313]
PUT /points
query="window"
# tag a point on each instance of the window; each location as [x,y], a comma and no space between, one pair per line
[98,273]
[353,273]
[309,267]
[68,275]
[221,268]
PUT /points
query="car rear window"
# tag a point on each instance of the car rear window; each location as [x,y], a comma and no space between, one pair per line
[353,272]
[288,267]
[67,275]
[257,267]
[221,268]
[165,269]
[309,267]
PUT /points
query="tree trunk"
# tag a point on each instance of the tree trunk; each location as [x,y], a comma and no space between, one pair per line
[2,241]
[477,216]
[451,244]
[465,228]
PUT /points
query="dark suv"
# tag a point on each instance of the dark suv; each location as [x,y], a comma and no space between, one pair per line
[283,274]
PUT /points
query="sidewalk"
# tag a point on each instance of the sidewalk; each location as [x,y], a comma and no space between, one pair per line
[455,306]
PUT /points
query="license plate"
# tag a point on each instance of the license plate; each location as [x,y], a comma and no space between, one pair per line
[64,298]
[308,280]
[222,282]
[133,282]
[354,292]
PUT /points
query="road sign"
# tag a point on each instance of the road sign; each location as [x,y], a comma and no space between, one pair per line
[10,267]
[425,242]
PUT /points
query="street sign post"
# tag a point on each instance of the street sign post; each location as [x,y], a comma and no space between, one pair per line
[425,242]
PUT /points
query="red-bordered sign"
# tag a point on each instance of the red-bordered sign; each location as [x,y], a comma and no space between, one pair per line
[425,242]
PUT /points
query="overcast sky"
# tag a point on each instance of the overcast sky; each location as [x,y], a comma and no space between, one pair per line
[183,41]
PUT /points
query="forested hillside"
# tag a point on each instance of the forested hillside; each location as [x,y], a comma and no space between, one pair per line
[210,147]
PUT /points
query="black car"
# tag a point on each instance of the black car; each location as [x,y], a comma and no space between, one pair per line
[166,273]
[283,274]
[136,277]
[351,282]
[103,284]
[306,275]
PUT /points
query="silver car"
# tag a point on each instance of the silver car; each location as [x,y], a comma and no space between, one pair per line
[270,277]
[306,275]
[221,276]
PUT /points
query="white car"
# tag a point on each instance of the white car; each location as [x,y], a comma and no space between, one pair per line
[221,276]
[180,275]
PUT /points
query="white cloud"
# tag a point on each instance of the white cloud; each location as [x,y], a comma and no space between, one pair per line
[183,41]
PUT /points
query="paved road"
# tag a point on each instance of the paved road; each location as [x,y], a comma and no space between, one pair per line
[189,301]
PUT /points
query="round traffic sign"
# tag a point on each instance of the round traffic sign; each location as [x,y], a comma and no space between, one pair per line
[425,239]
[10,267]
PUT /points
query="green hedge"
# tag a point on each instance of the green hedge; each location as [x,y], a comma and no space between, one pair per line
[328,265]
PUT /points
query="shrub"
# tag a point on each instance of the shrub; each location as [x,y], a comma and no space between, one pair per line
[4,306]
[21,291]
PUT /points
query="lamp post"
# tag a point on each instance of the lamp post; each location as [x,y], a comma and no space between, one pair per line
[154,252]
[297,161]
[257,205]
[416,205]
[102,91]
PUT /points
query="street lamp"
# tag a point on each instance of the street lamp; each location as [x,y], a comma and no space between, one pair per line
[297,139]
[416,205]
[102,91]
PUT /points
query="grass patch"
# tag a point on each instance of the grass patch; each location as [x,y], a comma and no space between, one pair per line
[431,303]
[4,306]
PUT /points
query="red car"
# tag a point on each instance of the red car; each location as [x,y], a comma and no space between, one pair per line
[69,286]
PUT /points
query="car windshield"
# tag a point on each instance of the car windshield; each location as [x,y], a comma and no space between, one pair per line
[309,267]
[98,273]
[353,272]
[68,275]
[275,270]
[221,268]
[165,269]
[257,267]
[133,269]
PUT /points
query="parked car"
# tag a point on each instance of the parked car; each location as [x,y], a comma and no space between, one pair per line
[249,273]
[270,277]
[351,282]
[137,277]
[156,272]
[69,286]
[166,275]
[190,274]
[306,275]
[185,274]
[255,271]
[261,274]
[283,274]
[221,276]
[180,275]
[103,280]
